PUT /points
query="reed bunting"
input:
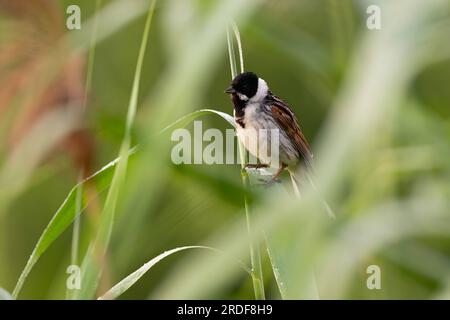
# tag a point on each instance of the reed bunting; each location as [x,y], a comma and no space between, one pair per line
[256,110]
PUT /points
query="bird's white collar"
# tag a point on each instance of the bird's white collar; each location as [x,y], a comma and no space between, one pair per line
[262,91]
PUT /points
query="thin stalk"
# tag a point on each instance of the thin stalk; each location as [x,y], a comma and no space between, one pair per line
[91,56]
[75,232]
[79,195]
[76,228]
[237,35]
[255,251]
[295,186]
[92,269]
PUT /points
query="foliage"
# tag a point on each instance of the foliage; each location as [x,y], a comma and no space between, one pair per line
[374,105]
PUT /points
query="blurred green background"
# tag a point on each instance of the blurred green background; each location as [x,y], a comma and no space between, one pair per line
[379,95]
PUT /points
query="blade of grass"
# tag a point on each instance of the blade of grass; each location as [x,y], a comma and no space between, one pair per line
[237,36]
[175,93]
[182,122]
[91,56]
[132,278]
[282,205]
[101,179]
[255,252]
[231,55]
[63,218]
[112,18]
[89,73]
[75,231]
[92,264]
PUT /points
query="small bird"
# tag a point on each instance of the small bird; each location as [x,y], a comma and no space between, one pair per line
[257,109]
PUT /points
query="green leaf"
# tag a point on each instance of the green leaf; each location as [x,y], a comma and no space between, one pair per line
[91,271]
[255,251]
[131,279]
[184,121]
[66,213]
[282,248]
[64,217]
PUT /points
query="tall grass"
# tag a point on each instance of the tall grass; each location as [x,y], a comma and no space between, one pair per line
[99,246]
[337,248]
[18,168]
[114,170]
[88,87]
[93,261]
[255,251]
[381,153]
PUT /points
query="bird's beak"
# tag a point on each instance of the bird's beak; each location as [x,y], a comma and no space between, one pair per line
[230,90]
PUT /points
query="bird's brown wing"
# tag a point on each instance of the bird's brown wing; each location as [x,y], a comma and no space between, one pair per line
[288,122]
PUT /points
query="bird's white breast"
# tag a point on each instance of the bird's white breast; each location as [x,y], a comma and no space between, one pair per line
[257,134]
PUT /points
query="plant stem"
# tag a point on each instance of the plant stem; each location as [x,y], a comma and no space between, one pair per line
[255,252]
[87,89]
[94,260]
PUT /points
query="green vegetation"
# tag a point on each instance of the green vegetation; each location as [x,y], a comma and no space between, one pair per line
[373,103]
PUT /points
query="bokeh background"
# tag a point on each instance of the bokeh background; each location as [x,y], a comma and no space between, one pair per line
[375,105]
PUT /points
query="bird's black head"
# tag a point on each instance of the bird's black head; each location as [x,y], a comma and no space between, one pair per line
[245,85]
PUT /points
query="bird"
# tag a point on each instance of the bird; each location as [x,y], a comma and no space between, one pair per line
[258,111]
